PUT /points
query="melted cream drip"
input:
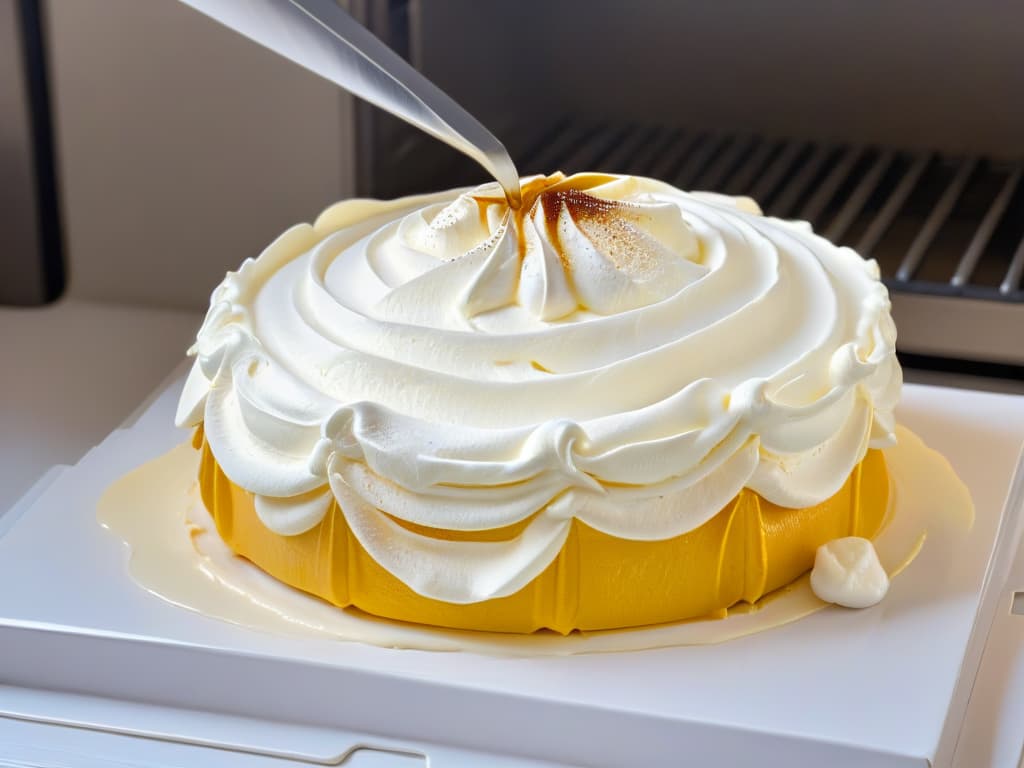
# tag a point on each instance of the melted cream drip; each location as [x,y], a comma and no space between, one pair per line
[617,351]
[176,555]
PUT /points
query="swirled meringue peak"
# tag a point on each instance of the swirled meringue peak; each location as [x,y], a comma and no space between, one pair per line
[616,351]
[566,251]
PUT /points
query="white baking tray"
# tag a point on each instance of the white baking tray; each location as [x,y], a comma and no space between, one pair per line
[888,686]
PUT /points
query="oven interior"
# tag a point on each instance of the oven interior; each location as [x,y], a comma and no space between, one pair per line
[897,129]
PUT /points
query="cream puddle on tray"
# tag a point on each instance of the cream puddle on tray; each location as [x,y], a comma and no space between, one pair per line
[177,555]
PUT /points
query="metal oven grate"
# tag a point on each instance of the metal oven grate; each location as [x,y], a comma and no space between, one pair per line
[937,224]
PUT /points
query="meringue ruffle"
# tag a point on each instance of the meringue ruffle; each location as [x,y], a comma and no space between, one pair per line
[593,581]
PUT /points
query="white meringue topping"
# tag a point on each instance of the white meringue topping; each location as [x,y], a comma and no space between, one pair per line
[619,351]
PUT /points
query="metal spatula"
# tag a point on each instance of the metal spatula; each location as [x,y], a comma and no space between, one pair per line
[320,36]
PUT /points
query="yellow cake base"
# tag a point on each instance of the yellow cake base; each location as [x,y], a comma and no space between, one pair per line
[597,581]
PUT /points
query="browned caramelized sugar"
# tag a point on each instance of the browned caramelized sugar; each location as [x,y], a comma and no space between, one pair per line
[579,205]
[551,193]
[482,204]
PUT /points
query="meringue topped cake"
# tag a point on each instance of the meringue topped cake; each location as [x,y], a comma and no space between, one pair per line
[618,405]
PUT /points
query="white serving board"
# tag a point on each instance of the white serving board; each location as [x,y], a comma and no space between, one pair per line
[883,687]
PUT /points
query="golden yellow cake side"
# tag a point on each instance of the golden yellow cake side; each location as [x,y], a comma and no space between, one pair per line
[750,548]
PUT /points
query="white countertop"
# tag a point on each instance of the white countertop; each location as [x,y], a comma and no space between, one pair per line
[72,371]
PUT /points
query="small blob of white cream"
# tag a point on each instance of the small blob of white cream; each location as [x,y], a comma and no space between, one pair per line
[847,572]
